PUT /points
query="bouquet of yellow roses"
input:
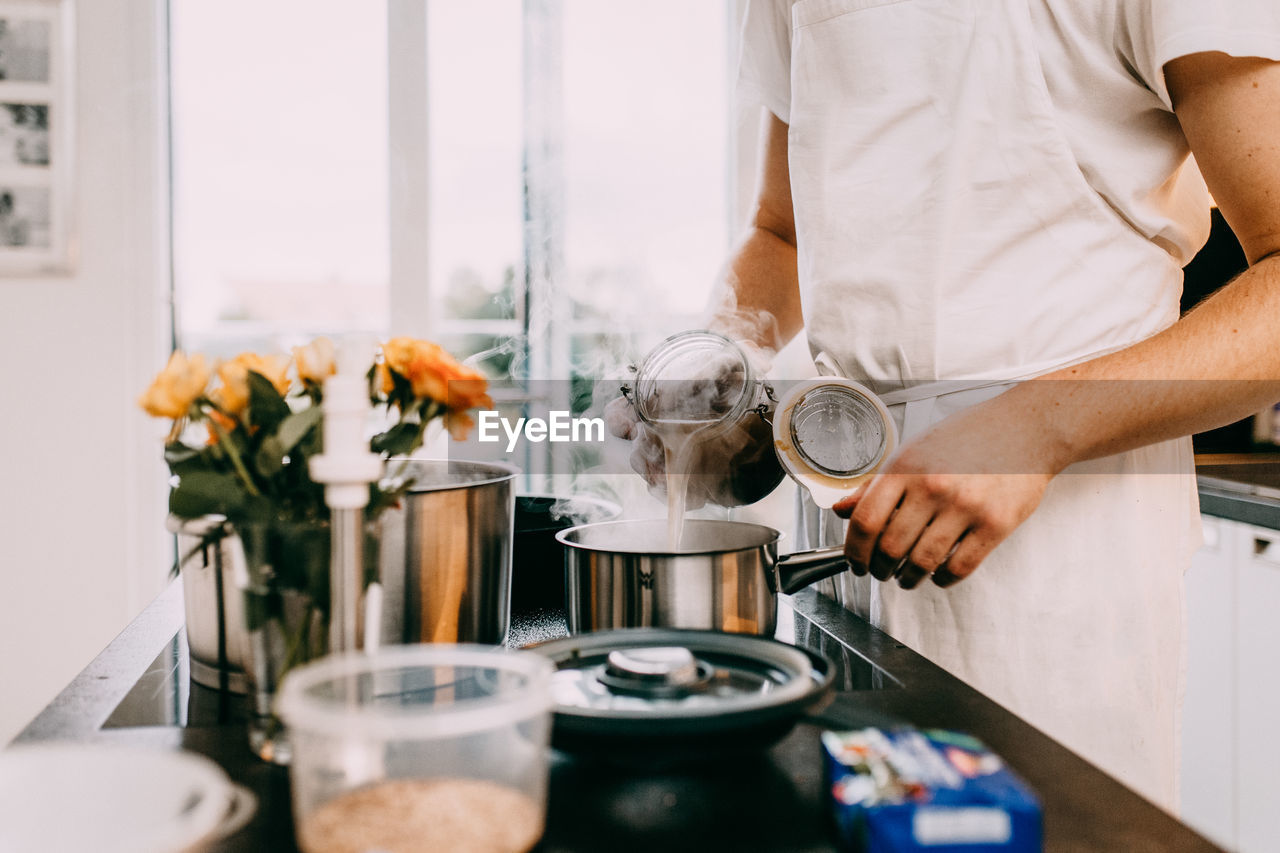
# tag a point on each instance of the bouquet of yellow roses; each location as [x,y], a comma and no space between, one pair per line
[245,429]
[244,432]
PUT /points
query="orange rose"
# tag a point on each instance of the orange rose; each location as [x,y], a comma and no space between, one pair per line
[433,374]
[469,391]
[315,361]
[401,355]
[233,395]
[216,417]
[176,387]
[458,423]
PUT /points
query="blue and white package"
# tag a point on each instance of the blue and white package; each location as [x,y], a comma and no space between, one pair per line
[906,790]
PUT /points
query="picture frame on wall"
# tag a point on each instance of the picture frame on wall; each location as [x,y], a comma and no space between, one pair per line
[36,138]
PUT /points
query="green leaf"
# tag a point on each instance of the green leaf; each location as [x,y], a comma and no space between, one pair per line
[177,453]
[429,410]
[401,395]
[269,460]
[256,509]
[266,407]
[217,454]
[184,459]
[400,440]
[382,498]
[294,428]
[204,492]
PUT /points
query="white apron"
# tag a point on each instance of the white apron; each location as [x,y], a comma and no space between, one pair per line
[949,244]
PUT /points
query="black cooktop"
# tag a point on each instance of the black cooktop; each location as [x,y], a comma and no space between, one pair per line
[165,695]
[773,800]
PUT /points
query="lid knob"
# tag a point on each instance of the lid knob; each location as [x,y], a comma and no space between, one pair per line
[654,671]
[666,664]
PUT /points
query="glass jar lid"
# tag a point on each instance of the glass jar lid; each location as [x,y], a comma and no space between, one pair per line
[838,431]
[831,434]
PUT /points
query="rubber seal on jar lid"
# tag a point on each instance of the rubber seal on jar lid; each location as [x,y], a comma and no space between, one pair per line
[831,435]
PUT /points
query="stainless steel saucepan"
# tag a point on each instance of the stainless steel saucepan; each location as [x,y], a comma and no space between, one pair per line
[726,575]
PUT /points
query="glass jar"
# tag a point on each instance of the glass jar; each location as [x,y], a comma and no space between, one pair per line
[697,379]
[699,387]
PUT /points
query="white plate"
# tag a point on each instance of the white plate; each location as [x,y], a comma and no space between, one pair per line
[57,797]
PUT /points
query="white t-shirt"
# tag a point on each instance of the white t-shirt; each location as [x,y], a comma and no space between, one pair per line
[1103,64]
[944,240]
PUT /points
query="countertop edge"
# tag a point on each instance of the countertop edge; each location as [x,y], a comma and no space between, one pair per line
[80,709]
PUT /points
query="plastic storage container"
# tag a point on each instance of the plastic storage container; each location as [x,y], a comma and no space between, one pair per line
[420,748]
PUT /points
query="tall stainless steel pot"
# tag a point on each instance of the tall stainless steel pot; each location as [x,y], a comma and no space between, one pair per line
[446,555]
[444,563]
[726,576]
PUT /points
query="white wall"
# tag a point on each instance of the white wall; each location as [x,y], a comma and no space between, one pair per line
[82,504]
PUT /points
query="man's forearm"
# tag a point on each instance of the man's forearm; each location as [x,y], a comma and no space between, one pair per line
[1219,363]
[758,299]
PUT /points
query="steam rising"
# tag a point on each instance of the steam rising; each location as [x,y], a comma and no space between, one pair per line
[717,468]
[581,510]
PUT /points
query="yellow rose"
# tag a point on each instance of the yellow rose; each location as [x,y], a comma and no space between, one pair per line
[176,387]
[315,361]
[433,374]
[233,395]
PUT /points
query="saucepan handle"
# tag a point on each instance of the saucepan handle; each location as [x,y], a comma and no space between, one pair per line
[796,571]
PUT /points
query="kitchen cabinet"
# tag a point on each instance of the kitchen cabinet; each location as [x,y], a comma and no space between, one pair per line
[1230,747]
[1208,797]
[1257,688]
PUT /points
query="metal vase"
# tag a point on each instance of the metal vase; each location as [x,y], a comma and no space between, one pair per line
[444,560]
[213,603]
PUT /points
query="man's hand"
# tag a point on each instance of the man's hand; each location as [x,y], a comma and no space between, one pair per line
[734,467]
[948,498]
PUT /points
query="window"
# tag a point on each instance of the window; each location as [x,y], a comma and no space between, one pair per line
[576,157]
[280,171]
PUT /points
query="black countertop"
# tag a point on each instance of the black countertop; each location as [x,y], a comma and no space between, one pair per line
[770,801]
[1241,487]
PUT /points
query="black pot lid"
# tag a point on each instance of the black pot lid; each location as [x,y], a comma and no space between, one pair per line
[659,682]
